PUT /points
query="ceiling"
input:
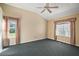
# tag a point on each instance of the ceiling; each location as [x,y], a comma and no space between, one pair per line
[63,10]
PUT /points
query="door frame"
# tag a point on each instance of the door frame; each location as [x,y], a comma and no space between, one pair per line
[6,18]
[72,29]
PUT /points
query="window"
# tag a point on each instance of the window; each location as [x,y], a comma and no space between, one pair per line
[12,28]
[63,29]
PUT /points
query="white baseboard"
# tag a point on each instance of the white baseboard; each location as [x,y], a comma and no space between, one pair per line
[32,40]
[77,45]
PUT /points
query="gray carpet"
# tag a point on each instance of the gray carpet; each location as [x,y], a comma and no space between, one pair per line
[42,48]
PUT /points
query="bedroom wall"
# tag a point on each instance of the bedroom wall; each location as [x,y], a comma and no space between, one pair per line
[51,28]
[33,26]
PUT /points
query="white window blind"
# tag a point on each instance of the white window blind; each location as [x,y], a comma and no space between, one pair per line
[63,29]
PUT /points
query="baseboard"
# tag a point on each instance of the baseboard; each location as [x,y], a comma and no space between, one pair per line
[33,40]
[51,39]
[77,45]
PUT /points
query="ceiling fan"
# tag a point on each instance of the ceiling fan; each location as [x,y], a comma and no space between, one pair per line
[47,7]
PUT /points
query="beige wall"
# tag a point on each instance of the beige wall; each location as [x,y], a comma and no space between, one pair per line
[51,28]
[33,26]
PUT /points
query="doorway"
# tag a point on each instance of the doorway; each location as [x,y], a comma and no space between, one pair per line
[11,31]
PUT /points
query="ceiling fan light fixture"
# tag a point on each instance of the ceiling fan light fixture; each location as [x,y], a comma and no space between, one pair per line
[47,7]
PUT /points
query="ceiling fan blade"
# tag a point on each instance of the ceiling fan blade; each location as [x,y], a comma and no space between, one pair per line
[53,7]
[40,7]
[42,11]
[49,10]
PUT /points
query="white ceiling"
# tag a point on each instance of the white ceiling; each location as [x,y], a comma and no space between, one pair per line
[63,10]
